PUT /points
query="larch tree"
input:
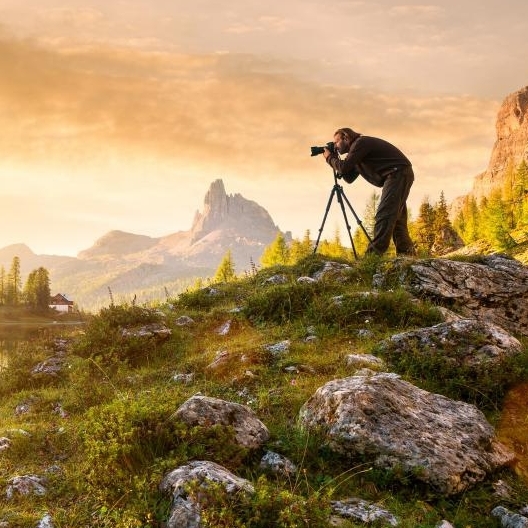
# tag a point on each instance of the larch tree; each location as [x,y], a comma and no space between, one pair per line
[423,228]
[277,253]
[226,269]
[496,216]
[37,289]
[14,283]
[300,249]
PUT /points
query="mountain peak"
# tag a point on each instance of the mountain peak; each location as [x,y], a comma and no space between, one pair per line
[226,212]
[118,243]
[15,250]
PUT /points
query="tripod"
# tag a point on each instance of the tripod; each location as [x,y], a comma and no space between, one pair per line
[337,190]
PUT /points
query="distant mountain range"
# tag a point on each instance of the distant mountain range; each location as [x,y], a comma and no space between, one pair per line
[150,268]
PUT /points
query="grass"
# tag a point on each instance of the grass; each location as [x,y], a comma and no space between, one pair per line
[105,458]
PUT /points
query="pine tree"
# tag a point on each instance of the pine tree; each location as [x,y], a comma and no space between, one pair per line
[473,221]
[300,249]
[441,213]
[520,195]
[14,283]
[336,248]
[37,289]
[423,228]
[508,196]
[277,253]
[226,269]
[495,214]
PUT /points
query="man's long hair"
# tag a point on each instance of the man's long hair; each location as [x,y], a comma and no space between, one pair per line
[347,133]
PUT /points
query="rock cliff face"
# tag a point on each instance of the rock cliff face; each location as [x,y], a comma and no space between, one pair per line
[511,145]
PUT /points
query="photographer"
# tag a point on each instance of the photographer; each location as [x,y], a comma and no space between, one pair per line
[382,165]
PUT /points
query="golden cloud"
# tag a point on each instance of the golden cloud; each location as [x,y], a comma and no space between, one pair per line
[238,110]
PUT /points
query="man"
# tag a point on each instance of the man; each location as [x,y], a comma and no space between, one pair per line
[385,166]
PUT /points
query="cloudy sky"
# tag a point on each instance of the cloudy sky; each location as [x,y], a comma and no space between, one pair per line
[119,115]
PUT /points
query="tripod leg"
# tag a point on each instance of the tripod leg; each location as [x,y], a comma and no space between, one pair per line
[324,218]
[340,200]
[358,220]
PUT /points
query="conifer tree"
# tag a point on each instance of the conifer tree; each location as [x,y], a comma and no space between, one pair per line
[508,196]
[37,289]
[300,249]
[520,195]
[441,214]
[423,228]
[495,216]
[336,248]
[277,253]
[14,283]
[226,269]
[473,223]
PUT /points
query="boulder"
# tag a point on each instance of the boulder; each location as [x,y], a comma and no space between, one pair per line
[158,331]
[51,366]
[457,340]
[278,464]
[363,511]
[185,511]
[250,432]
[493,290]
[26,485]
[509,519]
[446,444]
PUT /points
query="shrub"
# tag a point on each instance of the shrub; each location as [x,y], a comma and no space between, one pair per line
[281,303]
[439,368]
[103,340]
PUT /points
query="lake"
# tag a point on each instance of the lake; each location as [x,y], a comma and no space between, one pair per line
[13,334]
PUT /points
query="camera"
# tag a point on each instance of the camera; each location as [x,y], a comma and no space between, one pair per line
[319,150]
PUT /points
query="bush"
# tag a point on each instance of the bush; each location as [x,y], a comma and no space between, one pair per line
[103,340]
[440,369]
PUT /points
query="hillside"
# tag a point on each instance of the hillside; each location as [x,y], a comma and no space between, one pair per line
[373,392]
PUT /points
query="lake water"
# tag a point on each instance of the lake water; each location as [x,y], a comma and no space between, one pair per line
[14,334]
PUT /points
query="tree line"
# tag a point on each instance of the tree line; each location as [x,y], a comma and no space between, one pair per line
[34,294]
[497,217]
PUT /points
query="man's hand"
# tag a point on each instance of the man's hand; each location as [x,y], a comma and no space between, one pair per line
[326,153]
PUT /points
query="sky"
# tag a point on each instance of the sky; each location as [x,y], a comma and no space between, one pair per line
[119,115]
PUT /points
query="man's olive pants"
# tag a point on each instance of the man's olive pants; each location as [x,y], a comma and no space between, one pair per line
[391,215]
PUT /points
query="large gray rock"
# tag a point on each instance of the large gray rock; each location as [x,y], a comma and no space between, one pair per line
[363,511]
[494,290]
[457,341]
[158,331]
[185,511]
[202,410]
[447,444]
[26,485]
[509,519]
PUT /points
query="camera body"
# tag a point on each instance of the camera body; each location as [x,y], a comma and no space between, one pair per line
[319,150]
